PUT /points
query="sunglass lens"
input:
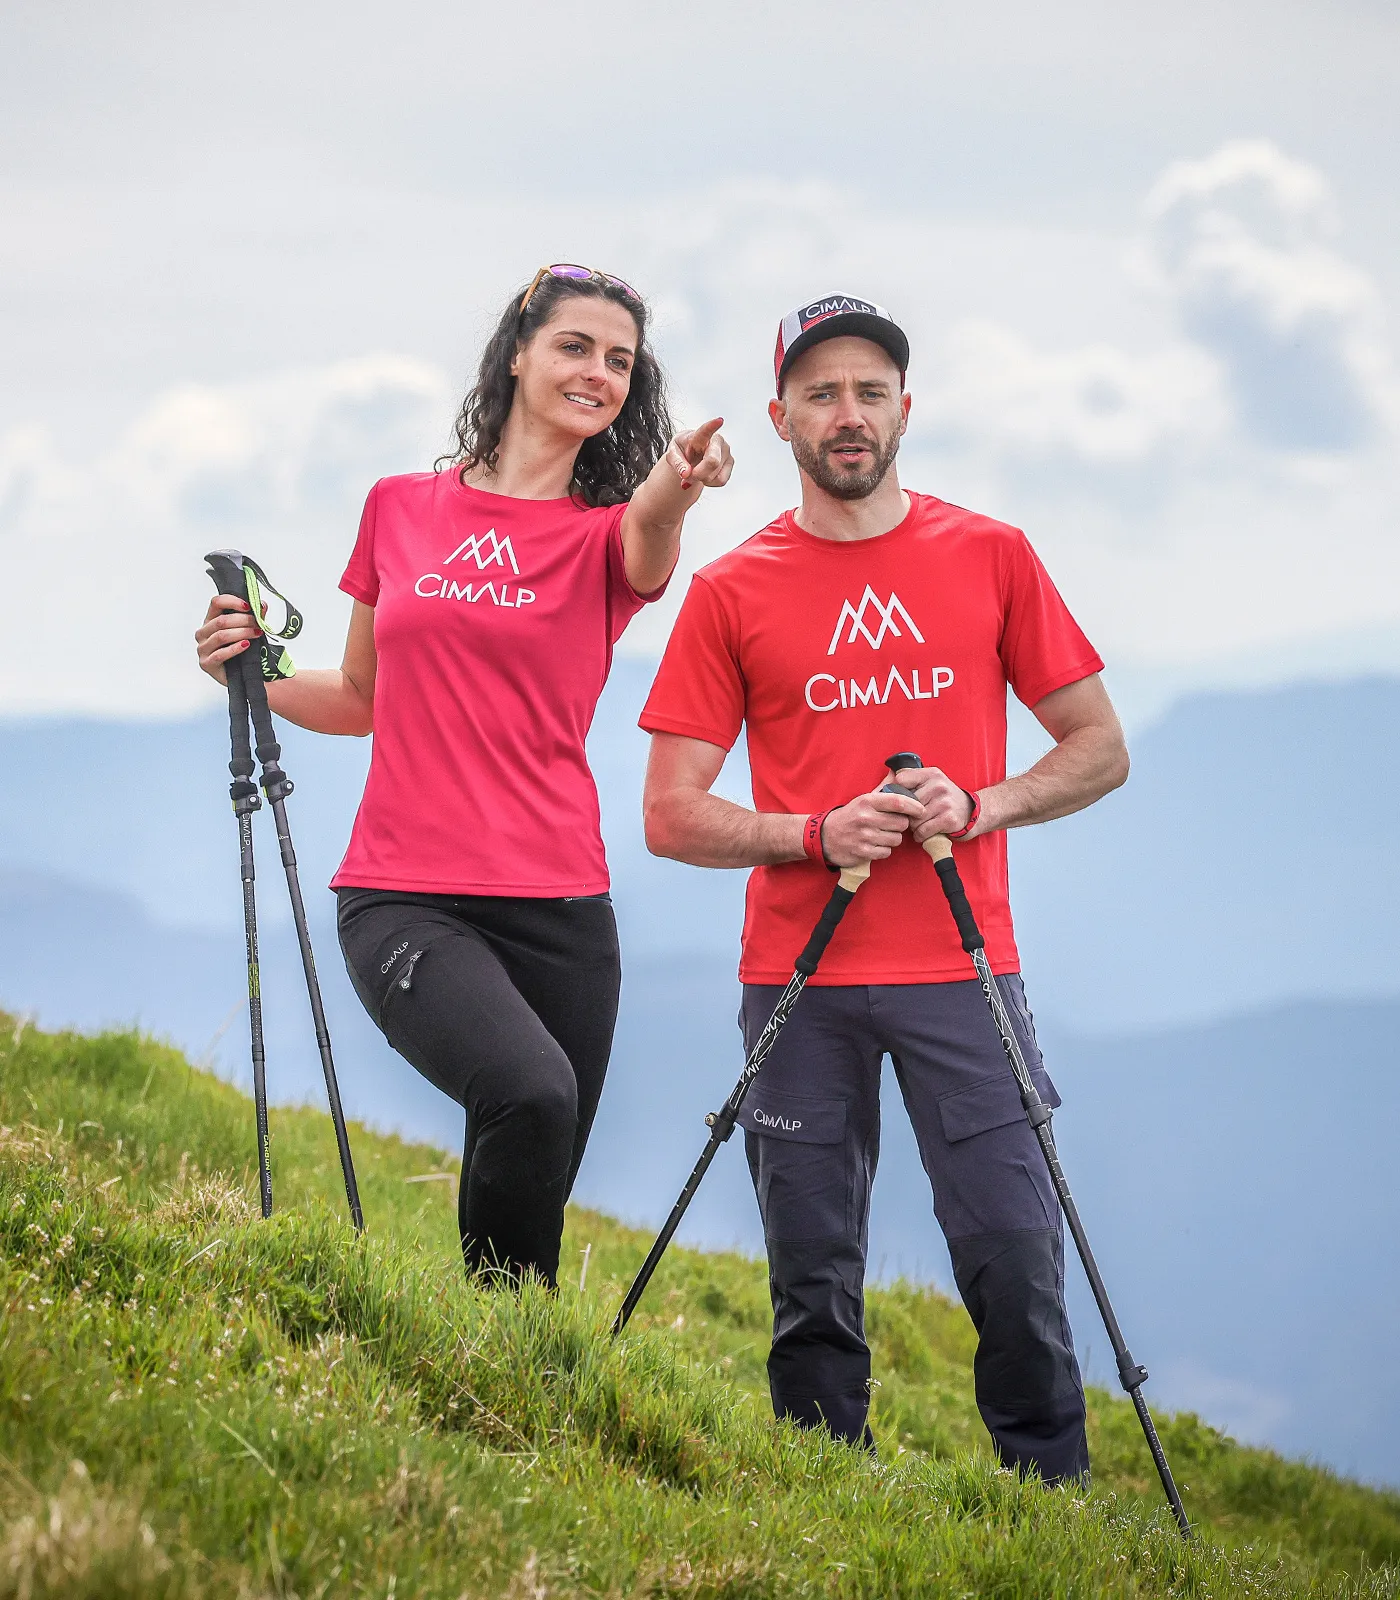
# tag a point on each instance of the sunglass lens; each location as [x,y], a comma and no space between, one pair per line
[626,288]
[567,269]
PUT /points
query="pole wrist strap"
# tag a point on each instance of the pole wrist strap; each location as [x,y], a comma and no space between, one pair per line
[812,838]
[273,657]
[971,822]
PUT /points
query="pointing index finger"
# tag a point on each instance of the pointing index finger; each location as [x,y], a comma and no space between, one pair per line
[699,441]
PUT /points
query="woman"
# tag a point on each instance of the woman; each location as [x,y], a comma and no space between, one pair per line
[473,899]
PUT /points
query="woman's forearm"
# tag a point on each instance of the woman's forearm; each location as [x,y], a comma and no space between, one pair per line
[323,700]
[651,525]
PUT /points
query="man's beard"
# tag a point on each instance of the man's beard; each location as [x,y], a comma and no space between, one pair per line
[816,462]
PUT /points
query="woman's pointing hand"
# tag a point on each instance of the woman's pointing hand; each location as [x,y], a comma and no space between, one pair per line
[701,456]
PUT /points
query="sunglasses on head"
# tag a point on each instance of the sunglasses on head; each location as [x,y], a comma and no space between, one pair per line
[569,269]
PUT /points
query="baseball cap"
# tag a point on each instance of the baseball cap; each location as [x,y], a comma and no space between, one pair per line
[838,316]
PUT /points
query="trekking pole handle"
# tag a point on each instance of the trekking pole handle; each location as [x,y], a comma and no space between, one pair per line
[225,567]
[900,762]
[940,852]
[851,878]
[841,896]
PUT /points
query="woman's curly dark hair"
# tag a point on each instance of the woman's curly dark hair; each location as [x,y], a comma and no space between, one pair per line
[609,466]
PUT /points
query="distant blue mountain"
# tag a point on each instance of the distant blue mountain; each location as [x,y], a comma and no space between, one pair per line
[89,959]
[1239,1177]
[142,808]
[1253,857]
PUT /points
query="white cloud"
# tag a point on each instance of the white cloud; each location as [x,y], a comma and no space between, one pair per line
[1182,531]
[1185,522]
[1240,242]
[998,395]
[103,557]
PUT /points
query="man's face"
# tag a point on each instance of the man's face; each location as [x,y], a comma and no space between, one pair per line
[843,412]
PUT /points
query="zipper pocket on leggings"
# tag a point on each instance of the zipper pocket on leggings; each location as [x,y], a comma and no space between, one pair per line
[402,980]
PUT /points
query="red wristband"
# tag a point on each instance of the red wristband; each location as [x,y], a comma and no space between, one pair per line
[812,837]
[971,822]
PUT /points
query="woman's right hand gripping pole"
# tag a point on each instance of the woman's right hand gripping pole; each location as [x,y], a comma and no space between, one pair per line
[228,630]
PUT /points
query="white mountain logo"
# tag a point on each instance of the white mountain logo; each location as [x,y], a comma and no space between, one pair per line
[486,550]
[886,611]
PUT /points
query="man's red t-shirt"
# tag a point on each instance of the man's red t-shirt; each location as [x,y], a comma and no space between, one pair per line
[494,622]
[836,655]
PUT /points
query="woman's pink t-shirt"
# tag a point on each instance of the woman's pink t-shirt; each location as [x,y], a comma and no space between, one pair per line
[494,622]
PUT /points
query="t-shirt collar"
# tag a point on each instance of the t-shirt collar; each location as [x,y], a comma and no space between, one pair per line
[790,525]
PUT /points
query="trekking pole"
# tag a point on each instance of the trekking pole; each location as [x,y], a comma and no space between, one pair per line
[721,1122]
[244,794]
[226,568]
[1038,1114]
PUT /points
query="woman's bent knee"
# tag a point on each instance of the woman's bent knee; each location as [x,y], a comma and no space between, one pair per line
[549,1109]
[531,1122]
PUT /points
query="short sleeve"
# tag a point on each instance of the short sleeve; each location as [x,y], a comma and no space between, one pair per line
[360,579]
[699,689]
[1042,646]
[623,600]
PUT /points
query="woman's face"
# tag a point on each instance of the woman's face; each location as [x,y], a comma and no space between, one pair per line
[575,372]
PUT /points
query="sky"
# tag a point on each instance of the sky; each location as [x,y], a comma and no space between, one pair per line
[1146,256]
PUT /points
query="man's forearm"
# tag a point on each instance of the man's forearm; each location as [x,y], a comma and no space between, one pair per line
[1086,765]
[705,830]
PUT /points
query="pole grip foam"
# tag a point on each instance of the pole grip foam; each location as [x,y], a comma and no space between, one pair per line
[827,923]
[947,870]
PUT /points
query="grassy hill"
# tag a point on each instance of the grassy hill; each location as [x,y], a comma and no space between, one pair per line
[195,1402]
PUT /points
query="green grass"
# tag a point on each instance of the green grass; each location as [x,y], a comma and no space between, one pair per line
[197,1402]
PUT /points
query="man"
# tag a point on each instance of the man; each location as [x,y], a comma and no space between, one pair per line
[867,621]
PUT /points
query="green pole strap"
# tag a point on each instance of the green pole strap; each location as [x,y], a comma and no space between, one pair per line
[274,658]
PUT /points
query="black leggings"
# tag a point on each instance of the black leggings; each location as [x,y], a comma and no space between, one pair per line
[507,1005]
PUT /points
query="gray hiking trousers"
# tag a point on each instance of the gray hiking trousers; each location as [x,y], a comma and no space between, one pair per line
[812,1129]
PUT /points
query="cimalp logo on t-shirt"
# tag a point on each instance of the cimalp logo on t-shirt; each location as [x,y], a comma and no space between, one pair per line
[824,691]
[886,611]
[485,550]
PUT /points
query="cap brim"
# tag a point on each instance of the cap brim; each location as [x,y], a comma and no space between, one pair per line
[851,325]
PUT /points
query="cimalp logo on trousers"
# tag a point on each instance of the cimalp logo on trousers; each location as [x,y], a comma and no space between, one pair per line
[766,1119]
[486,550]
[885,611]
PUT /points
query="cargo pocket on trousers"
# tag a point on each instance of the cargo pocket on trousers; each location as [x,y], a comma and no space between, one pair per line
[993,1102]
[802,1173]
